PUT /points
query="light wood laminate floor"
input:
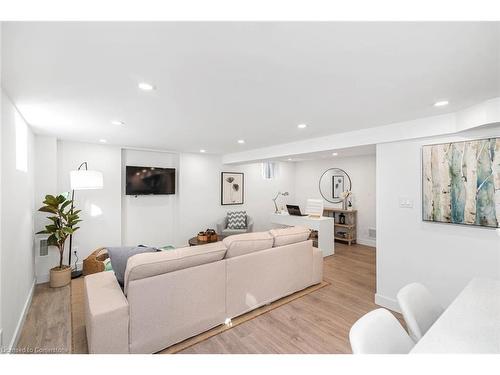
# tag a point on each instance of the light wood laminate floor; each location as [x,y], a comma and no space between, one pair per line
[315,323]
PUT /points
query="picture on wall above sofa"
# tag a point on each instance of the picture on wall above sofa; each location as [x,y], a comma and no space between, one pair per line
[232,188]
[461,182]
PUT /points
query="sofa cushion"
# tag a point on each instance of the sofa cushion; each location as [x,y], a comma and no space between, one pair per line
[246,243]
[237,220]
[120,255]
[289,235]
[145,265]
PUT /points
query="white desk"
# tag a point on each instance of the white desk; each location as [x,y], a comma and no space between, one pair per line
[324,226]
[471,324]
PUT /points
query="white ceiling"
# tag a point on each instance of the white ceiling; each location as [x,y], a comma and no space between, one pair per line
[219,82]
[335,154]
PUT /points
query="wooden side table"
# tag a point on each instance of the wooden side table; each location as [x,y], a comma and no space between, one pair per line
[194,241]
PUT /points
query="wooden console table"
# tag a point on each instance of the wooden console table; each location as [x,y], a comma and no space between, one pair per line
[344,232]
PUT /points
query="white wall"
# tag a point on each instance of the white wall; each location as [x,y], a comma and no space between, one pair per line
[154,220]
[101,209]
[199,193]
[45,183]
[361,170]
[259,192]
[148,219]
[1,212]
[17,228]
[444,257]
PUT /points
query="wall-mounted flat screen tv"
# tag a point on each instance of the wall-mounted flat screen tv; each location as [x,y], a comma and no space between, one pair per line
[149,180]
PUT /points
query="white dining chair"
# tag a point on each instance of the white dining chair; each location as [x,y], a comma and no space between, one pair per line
[379,332]
[419,308]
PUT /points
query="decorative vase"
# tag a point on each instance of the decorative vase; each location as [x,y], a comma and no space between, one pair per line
[60,277]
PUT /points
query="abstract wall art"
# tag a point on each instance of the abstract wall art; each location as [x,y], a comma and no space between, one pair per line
[232,188]
[461,182]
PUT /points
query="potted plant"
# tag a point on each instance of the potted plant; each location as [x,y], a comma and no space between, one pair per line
[63,221]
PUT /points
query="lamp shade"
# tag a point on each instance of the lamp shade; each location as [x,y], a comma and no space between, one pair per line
[86,180]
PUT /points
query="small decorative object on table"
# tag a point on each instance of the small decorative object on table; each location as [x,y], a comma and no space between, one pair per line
[207,236]
[341,218]
[345,198]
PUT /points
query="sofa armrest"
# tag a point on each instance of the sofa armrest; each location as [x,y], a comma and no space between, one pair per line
[106,314]
[317,272]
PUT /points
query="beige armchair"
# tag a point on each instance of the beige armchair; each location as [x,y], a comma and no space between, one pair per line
[224,231]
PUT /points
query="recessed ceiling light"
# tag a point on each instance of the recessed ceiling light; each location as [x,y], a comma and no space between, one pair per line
[146,86]
[441,103]
[289,159]
[302,126]
[102,140]
[116,122]
[241,141]
[335,153]
[202,150]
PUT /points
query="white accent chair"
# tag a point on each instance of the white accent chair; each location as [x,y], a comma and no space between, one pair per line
[379,332]
[224,231]
[315,207]
[419,308]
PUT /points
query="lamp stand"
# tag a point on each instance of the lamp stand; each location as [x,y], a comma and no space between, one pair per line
[75,273]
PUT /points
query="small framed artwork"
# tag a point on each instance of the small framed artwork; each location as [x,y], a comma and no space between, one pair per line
[232,188]
[337,186]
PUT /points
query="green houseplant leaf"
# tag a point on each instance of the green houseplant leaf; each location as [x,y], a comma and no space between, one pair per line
[62,221]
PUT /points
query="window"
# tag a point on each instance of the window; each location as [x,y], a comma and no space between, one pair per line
[269,170]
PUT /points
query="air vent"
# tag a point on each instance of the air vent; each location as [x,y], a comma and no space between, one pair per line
[372,233]
[44,248]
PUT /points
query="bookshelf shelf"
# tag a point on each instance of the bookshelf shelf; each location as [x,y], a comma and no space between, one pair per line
[347,231]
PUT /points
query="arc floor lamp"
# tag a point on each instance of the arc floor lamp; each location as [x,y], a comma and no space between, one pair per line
[82,179]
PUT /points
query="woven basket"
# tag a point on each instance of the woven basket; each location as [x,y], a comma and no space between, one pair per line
[95,262]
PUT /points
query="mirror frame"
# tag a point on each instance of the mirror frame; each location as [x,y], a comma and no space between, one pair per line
[339,200]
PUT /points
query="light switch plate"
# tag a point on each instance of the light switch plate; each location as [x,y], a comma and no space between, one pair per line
[405,202]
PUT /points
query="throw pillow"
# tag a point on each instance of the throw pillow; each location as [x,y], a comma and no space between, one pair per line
[119,257]
[237,220]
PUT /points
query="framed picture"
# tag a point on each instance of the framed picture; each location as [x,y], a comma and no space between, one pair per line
[232,188]
[337,185]
[461,181]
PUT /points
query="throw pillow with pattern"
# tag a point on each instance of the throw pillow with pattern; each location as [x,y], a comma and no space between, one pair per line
[237,220]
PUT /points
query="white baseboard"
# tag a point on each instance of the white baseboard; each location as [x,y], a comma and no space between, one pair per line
[45,278]
[366,242]
[22,318]
[388,303]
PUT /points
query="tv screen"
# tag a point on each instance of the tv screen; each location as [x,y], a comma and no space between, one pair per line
[149,180]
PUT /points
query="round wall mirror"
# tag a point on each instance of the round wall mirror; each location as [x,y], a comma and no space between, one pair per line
[333,183]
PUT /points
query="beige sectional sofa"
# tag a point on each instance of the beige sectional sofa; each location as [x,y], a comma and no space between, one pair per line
[173,295]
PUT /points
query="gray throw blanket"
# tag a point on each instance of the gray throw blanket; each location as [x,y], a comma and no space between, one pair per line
[119,256]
